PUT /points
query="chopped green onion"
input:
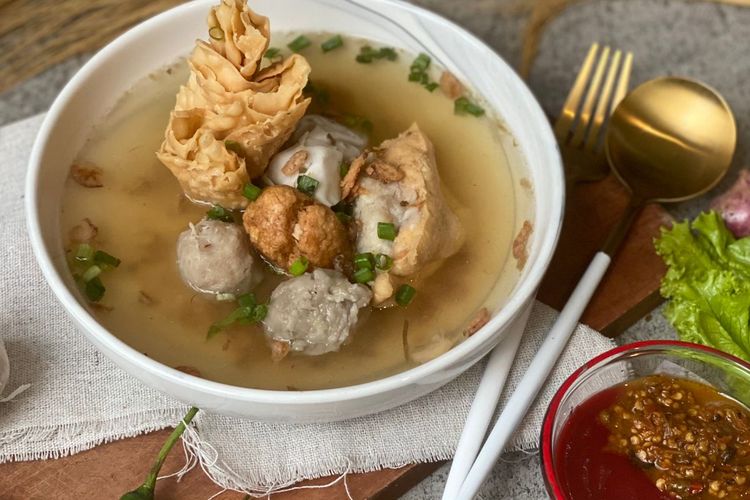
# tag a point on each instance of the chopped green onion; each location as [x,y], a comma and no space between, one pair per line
[235,147]
[299,266]
[332,43]
[94,289]
[247,300]
[386,231]
[463,106]
[367,54]
[364,261]
[91,273]
[343,217]
[103,258]
[251,191]
[233,317]
[307,184]
[421,63]
[216,33]
[364,275]
[299,43]
[217,212]
[343,169]
[259,312]
[431,86]
[404,295]
[383,262]
[272,53]
[84,252]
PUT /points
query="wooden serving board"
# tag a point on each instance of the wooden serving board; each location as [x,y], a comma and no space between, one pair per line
[627,293]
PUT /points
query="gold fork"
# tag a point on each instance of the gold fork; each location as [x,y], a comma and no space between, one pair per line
[580,127]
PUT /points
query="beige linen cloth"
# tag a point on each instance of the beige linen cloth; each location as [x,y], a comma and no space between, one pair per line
[78,399]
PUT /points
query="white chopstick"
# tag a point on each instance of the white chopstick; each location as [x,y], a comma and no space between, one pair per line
[535,376]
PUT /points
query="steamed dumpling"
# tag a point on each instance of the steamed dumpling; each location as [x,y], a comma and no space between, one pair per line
[231,117]
[321,146]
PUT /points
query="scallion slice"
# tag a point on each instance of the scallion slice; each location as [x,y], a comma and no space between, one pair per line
[272,53]
[386,231]
[216,33]
[84,252]
[94,289]
[299,266]
[383,262]
[343,169]
[299,43]
[247,300]
[421,63]
[367,54]
[464,106]
[259,312]
[251,191]
[364,261]
[307,184]
[217,212]
[102,258]
[91,273]
[332,43]
[364,275]
[404,295]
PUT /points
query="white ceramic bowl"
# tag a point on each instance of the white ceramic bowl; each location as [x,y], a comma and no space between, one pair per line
[160,40]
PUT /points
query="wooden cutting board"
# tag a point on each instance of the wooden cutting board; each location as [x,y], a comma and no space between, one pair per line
[628,292]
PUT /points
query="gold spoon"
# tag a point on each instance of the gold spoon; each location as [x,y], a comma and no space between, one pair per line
[669,140]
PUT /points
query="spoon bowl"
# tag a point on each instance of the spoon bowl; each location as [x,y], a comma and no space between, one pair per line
[671,139]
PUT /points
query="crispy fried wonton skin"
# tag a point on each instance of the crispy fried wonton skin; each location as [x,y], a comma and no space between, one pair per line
[231,116]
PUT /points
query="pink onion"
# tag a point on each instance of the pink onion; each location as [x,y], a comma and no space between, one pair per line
[734,206]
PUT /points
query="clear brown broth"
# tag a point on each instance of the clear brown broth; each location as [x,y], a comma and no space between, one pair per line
[140,212]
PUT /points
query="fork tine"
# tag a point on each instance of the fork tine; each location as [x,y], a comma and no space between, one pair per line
[588,105]
[567,115]
[602,105]
[622,82]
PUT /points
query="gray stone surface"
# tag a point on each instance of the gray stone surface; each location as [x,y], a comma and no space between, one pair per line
[701,40]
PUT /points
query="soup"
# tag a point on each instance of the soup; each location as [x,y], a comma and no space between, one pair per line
[139,212]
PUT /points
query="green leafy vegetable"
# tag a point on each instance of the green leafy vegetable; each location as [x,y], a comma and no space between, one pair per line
[299,43]
[708,283]
[332,43]
[463,106]
[217,212]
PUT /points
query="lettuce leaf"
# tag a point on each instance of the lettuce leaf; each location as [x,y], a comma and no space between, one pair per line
[707,283]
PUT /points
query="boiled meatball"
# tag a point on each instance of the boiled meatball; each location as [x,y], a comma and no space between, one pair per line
[314,313]
[285,224]
[215,257]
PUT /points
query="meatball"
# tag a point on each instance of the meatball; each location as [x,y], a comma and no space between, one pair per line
[285,224]
[314,313]
[215,257]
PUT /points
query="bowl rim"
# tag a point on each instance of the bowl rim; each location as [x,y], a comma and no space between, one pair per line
[546,449]
[107,341]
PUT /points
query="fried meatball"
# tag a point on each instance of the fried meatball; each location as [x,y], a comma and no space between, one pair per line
[215,257]
[314,313]
[285,224]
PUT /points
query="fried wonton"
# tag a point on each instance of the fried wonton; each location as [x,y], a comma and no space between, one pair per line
[232,116]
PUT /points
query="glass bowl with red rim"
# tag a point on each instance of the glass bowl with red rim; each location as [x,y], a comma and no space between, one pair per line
[578,462]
